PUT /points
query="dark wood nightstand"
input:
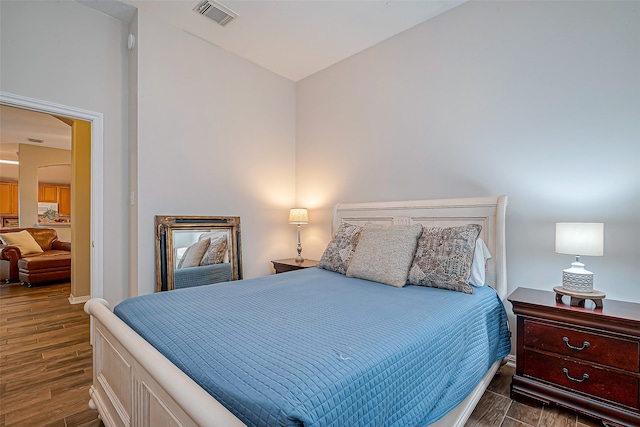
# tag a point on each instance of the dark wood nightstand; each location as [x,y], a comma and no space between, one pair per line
[584,359]
[290,264]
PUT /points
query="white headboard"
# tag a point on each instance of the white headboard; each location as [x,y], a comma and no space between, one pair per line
[489,212]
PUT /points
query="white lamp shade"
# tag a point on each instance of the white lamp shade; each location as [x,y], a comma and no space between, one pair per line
[580,238]
[298,216]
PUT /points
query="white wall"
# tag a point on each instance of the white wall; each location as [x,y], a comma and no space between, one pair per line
[536,100]
[67,53]
[488,98]
[211,134]
[216,136]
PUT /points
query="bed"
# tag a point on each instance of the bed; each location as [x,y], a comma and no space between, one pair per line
[137,383]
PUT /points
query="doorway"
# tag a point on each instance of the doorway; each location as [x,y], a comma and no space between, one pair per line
[95,121]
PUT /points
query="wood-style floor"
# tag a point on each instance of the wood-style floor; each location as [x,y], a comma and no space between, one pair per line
[496,409]
[45,357]
[45,369]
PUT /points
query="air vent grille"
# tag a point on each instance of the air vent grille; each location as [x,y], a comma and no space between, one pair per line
[216,12]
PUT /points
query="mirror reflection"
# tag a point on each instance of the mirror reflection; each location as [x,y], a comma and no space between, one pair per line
[196,251]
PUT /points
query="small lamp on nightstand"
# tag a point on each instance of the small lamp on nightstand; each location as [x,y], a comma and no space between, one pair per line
[579,238]
[299,216]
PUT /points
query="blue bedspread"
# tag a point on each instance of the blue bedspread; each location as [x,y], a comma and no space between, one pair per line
[314,348]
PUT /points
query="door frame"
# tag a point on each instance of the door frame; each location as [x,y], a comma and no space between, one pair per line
[97,173]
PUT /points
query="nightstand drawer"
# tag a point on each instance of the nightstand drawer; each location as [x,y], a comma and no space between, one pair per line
[587,379]
[606,350]
[600,379]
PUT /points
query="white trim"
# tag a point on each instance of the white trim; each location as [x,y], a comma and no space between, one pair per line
[78,300]
[97,177]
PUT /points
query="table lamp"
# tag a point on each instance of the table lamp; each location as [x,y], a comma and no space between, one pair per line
[299,216]
[579,238]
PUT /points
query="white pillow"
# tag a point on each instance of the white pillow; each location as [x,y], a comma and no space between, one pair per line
[478,267]
[194,253]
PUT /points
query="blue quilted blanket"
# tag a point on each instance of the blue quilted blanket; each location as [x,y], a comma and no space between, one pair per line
[315,348]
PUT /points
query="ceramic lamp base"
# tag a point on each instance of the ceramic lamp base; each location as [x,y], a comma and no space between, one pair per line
[577,279]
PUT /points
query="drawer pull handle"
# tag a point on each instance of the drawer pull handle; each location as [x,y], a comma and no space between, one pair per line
[584,344]
[584,376]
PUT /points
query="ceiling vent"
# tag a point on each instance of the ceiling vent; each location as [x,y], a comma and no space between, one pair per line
[215,11]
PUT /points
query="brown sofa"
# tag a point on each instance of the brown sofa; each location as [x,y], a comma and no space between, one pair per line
[52,264]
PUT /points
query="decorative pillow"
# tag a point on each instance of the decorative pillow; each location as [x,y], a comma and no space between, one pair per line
[479,265]
[444,256]
[384,253]
[340,249]
[218,247]
[213,234]
[194,253]
[24,241]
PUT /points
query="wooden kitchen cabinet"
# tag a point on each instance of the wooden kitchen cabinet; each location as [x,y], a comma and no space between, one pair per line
[56,193]
[48,193]
[9,198]
[64,200]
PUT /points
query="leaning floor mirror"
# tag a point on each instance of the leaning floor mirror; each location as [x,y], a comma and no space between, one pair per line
[197,250]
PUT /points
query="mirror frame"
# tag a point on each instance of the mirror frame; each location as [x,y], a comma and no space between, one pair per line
[165,225]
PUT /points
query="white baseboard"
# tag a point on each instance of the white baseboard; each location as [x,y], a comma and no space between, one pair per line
[510,360]
[79,300]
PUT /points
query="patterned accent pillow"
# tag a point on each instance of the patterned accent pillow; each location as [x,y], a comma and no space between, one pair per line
[337,255]
[384,253]
[218,248]
[444,256]
[193,254]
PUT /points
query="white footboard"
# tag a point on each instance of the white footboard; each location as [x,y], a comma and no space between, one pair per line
[135,385]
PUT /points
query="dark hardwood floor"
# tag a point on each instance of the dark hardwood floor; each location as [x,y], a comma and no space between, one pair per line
[45,357]
[45,369]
